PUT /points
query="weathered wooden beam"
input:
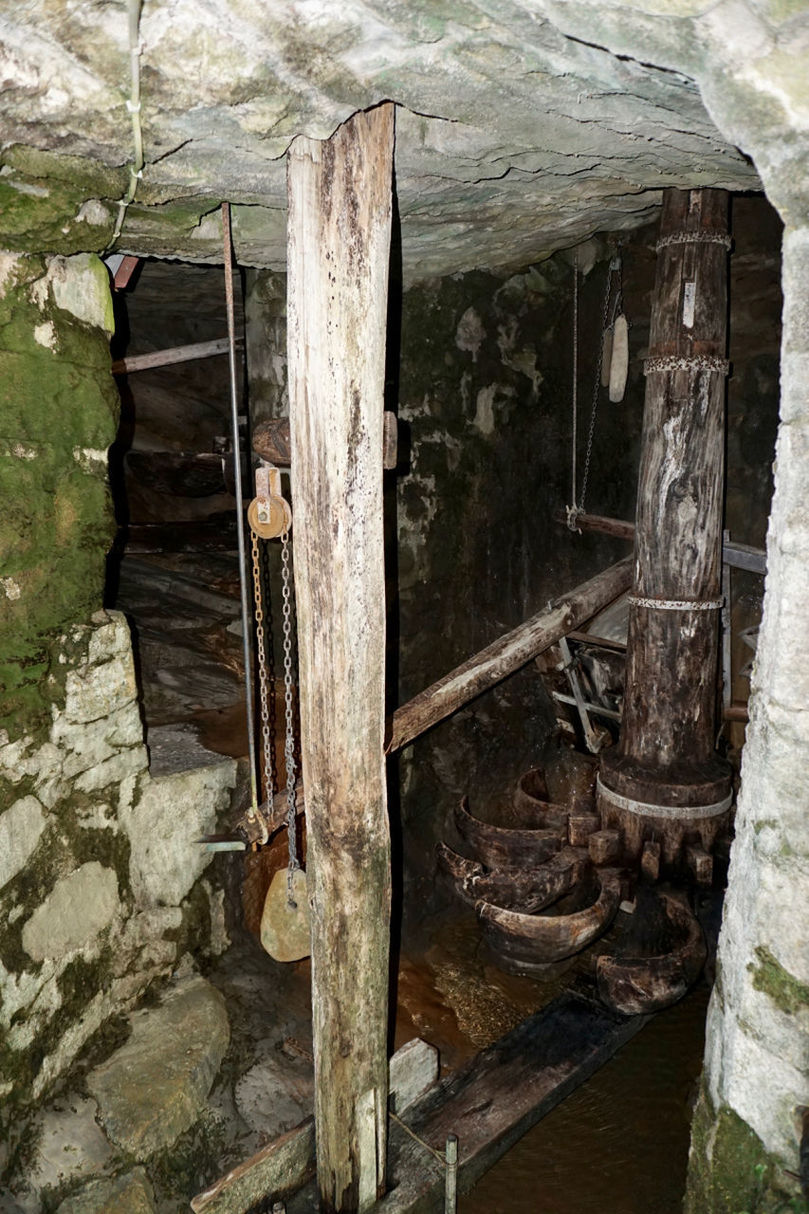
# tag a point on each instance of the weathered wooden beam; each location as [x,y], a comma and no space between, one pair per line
[739,556]
[665,768]
[507,654]
[217,533]
[167,358]
[271,441]
[283,1166]
[339,221]
[493,1100]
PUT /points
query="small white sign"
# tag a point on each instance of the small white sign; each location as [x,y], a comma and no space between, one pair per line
[689,303]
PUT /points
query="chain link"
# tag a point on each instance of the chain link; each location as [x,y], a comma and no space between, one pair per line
[573,508]
[263,680]
[289,715]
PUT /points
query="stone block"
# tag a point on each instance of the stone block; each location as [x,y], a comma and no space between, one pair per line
[21,828]
[97,691]
[78,907]
[70,1144]
[128,1194]
[276,1094]
[163,827]
[113,770]
[111,639]
[154,1087]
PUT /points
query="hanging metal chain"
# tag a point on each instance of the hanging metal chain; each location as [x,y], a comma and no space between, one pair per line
[615,266]
[263,679]
[573,509]
[289,716]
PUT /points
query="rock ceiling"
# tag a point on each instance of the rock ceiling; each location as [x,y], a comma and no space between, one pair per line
[522,125]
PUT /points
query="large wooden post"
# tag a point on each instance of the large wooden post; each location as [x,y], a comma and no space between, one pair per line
[338,248]
[665,780]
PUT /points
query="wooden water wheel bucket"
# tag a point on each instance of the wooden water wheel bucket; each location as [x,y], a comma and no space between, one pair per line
[523,941]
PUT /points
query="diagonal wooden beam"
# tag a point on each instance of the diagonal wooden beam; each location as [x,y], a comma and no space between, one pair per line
[507,654]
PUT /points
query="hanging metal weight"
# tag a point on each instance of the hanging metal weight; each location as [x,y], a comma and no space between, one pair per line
[269,514]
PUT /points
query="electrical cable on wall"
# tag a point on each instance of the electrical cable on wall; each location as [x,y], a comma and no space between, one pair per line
[133,105]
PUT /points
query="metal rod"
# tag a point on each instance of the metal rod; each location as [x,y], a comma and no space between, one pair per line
[727,676]
[451,1191]
[596,709]
[237,477]
[168,358]
[738,556]
[590,736]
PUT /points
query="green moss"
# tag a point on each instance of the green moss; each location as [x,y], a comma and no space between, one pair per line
[192,1161]
[43,197]
[194,933]
[729,1170]
[785,990]
[56,526]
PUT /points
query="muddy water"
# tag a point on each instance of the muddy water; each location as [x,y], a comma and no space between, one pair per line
[618,1145]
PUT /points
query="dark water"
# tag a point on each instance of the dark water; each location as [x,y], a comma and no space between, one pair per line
[618,1145]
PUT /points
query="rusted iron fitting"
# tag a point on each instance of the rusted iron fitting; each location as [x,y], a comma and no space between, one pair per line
[269,514]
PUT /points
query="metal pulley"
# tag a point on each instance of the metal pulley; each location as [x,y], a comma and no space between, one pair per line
[269,514]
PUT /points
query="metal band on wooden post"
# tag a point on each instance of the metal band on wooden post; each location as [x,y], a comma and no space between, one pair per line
[694,237]
[663,811]
[676,362]
[675,604]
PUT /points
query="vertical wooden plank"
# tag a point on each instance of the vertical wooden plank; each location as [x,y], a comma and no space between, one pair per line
[338,249]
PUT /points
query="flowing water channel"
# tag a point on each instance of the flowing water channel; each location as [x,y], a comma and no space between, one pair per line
[619,1144]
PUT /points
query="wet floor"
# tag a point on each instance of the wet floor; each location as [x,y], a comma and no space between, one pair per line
[619,1144]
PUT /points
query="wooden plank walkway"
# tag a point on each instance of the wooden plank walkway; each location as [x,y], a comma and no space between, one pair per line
[494,1100]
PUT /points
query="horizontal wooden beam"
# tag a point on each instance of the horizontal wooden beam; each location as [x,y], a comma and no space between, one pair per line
[738,556]
[509,653]
[486,669]
[271,441]
[167,358]
[283,1166]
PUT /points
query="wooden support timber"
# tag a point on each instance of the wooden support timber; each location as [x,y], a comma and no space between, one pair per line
[340,196]
[664,778]
[507,654]
[271,441]
[485,669]
[738,556]
[170,357]
[495,1098]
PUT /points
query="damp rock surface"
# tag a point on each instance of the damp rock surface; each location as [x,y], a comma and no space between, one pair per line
[77,909]
[155,1086]
[128,1194]
[70,1144]
[521,127]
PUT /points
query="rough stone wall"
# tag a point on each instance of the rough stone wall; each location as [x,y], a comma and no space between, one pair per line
[748,1122]
[59,416]
[101,886]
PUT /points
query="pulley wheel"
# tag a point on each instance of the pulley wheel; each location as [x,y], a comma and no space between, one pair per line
[269,517]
